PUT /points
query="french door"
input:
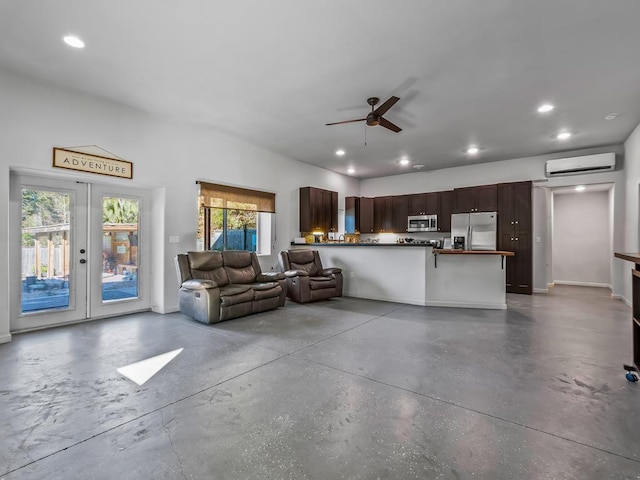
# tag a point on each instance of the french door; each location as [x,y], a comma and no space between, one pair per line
[78,251]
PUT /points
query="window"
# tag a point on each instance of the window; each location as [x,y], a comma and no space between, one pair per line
[232,218]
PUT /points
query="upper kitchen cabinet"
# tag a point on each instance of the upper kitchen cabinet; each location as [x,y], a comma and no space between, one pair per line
[514,206]
[318,210]
[399,213]
[351,214]
[423,204]
[383,214]
[445,209]
[476,199]
[358,215]
[365,222]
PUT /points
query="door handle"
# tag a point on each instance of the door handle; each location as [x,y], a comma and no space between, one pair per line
[83,261]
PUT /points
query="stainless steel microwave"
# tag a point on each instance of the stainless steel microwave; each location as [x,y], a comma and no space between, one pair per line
[422,223]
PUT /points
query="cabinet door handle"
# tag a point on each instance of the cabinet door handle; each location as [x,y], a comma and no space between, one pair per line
[512,239]
[516,239]
[516,221]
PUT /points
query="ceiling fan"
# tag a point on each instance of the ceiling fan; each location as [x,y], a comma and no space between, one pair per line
[375,116]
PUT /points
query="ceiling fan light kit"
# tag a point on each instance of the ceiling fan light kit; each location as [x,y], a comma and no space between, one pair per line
[375,117]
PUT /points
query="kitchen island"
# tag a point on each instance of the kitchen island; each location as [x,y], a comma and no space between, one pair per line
[418,274]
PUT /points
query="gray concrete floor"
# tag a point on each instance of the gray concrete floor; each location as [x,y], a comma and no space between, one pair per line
[345,388]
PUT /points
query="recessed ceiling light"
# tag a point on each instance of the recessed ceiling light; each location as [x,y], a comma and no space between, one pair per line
[580,188]
[611,116]
[418,167]
[563,135]
[545,107]
[404,161]
[351,171]
[73,41]
[340,152]
[472,150]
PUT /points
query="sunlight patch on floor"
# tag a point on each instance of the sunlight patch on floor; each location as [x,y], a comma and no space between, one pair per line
[143,370]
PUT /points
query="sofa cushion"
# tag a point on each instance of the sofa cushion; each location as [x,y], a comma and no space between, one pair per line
[271,292]
[266,290]
[235,294]
[317,283]
[239,266]
[208,266]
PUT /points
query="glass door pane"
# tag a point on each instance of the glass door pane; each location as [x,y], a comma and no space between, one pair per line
[45,252]
[119,232]
[48,244]
[119,248]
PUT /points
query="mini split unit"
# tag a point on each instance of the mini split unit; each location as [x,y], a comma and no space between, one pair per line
[603,162]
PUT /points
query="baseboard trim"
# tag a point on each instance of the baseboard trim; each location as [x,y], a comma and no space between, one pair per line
[5,338]
[171,309]
[622,298]
[541,290]
[582,284]
[383,298]
[490,306]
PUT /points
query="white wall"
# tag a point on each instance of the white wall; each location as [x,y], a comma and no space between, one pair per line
[521,169]
[631,241]
[168,157]
[581,241]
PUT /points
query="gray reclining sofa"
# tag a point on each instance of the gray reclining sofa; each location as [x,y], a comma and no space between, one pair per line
[216,286]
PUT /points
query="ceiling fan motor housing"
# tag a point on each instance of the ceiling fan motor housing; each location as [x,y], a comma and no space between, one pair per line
[373,120]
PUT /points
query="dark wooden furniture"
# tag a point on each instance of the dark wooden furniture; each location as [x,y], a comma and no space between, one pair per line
[383,214]
[366,215]
[634,368]
[399,213]
[445,209]
[514,234]
[476,199]
[423,203]
[318,210]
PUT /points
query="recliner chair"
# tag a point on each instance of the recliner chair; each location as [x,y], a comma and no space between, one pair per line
[307,280]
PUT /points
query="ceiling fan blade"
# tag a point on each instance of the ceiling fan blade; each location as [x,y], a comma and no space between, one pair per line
[382,109]
[387,124]
[346,121]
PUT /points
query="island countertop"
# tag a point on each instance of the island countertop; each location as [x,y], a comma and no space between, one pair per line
[440,251]
[361,244]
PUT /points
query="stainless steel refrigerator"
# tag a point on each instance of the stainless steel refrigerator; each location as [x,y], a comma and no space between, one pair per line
[478,230]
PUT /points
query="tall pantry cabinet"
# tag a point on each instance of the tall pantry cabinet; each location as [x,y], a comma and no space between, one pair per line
[515,234]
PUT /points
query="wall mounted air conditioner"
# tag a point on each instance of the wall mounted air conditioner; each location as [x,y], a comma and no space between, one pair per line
[603,162]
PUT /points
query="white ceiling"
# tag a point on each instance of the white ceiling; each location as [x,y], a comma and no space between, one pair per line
[274,72]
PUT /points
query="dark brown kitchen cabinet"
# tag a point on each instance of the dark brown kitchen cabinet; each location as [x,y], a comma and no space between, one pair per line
[476,199]
[383,214]
[445,209]
[351,214]
[416,204]
[333,219]
[318,210]
[423,204]
[365,222]
[399,213]
[515,234]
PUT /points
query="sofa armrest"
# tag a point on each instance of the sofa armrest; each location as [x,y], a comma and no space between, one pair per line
[330,271]
[199,284]
[270,277]
[296,273]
